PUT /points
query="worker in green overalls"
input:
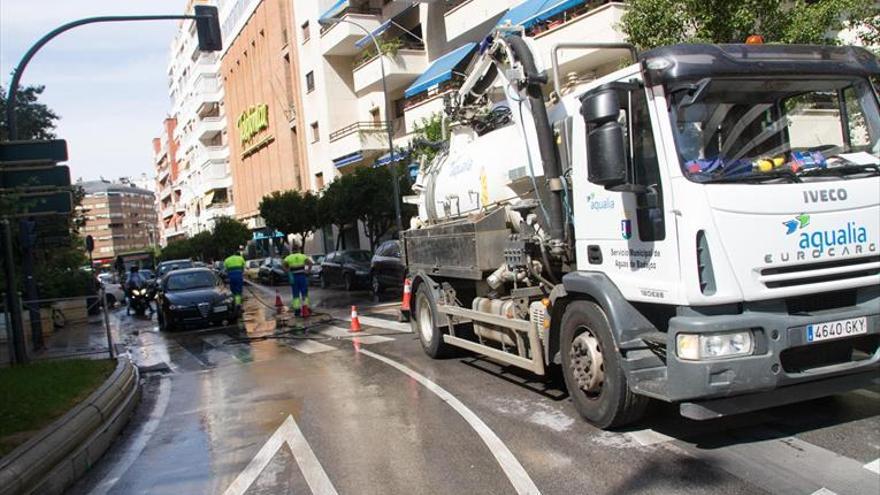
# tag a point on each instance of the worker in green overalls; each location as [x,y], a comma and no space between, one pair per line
[295,264]
[235,270]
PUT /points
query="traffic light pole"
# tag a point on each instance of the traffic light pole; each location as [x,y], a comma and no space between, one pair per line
[203,14]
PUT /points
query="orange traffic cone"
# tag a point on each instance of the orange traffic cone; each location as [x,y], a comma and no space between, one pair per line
[306,312]
[279,305]
[355,322]
[405,304]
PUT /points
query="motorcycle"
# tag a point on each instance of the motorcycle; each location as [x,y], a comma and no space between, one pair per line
[139,298]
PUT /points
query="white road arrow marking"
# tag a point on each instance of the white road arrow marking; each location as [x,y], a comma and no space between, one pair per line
[311,469]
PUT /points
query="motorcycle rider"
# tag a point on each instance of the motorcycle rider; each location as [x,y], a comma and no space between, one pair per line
[135,281]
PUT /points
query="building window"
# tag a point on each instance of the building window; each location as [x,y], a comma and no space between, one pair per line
[319,180]
[305,31]
[310,81]
[399,105]
[316,136]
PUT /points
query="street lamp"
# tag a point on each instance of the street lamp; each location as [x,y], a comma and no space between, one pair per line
[330,21]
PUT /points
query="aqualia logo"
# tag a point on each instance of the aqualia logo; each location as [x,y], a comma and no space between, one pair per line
[846,240]
[599,204]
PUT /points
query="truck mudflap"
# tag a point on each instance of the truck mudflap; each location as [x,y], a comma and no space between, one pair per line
[716,408]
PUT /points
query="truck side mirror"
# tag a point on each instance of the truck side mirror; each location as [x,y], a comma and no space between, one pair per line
[606,146]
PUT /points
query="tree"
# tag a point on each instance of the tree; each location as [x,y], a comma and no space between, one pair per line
[651,23]
[34,119]
[337,206]
[229,236]
[291,212]
[176,250]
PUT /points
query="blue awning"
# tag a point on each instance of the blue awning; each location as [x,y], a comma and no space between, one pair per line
[348,159]
[334,10]
[399,156]
[531,12]
[440,71]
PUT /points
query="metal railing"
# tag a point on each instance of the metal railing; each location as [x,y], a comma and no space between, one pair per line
[365,126]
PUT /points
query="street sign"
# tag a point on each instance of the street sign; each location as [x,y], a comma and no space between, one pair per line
[50,203]
[35,177]
[19,153]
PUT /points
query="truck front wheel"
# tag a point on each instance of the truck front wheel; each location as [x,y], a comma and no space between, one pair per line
[591,367]
[425,324]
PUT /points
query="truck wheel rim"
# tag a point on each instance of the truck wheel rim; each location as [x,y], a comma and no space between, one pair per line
[426,322]
[587,364]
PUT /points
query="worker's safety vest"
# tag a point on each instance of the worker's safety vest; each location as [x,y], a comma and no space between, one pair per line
[234,262]
[296,262]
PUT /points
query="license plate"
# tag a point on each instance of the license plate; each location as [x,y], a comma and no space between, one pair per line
[219,309]
[837,329]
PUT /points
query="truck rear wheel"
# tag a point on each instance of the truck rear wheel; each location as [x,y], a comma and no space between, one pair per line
[591,367]
[424,324]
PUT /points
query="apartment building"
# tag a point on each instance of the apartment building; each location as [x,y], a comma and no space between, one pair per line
[262,93]
[169,204]
[426,47]
[203,184]
[121,218]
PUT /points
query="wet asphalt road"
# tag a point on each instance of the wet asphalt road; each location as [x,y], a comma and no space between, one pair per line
[323,412]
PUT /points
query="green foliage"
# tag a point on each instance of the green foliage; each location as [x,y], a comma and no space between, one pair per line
[291,212]
[176,250]
[228,236]
[652,23]
[428,129]
[34,119]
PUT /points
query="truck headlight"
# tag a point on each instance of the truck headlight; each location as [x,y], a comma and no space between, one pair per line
[695,346]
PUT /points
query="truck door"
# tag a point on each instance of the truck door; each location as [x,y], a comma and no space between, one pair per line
[627,230]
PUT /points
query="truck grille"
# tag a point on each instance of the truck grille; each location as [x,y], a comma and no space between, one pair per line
[804,358]
[813,273]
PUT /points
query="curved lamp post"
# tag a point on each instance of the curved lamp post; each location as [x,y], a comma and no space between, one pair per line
[330,21]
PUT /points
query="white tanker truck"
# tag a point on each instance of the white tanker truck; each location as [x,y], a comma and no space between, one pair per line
[701,227]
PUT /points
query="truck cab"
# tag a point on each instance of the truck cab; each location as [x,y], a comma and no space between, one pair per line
[739,216]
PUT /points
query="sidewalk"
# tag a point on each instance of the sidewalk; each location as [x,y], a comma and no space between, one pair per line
[85,339]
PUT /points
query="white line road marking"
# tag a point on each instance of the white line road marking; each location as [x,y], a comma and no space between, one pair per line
[337,332]
[136,445]
[371,339]
[382,323]
[517,475]
[788,464]
[311,469]
[648,437]
[823,491]
[873,466]
[310,346]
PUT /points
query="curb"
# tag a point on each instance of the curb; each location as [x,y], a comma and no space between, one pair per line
[62,452]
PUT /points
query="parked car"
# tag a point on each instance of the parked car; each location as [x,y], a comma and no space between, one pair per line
[386,268]
[252,268]
[164,267]
[194,296]
[350,269]
[313,272]
[271,272]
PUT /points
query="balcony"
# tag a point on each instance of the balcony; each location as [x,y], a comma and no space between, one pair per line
[167,212]
[470,14]
[586,23]
[207,93]
[212,154]
[208,128]
[339,38]
[357,141]
[401,69]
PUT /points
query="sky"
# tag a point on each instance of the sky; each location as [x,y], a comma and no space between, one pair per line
[107,82]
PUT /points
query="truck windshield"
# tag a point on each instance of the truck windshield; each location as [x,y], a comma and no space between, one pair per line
[766,131]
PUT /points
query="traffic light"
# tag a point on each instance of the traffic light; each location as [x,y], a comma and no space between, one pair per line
[208,28]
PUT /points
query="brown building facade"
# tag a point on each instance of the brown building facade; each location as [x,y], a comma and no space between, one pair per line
[261,97]
[168,194]
[120,217]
